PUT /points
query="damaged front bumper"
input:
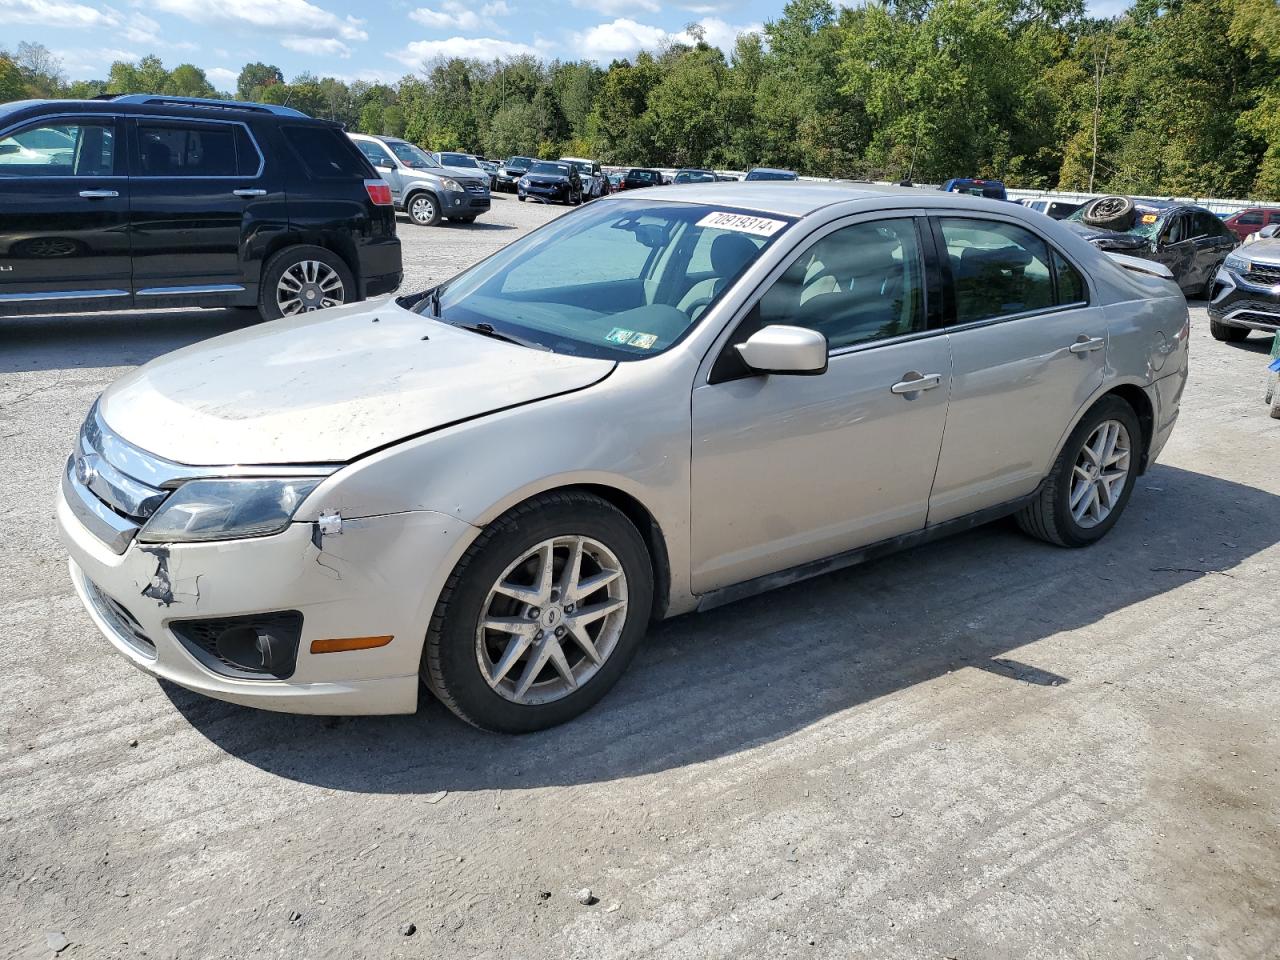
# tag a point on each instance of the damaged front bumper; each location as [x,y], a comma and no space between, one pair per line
[379,577]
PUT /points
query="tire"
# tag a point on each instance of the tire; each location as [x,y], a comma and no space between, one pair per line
[1112,213]
[1049,516]
[1206,292]
[521,199]
[313,270]
[1275,403]
[1226,332]
[423,209]
[458,658]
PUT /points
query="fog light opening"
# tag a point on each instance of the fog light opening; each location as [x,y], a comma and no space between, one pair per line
[258,650]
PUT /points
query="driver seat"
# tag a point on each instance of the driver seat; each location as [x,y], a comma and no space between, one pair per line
[730,252]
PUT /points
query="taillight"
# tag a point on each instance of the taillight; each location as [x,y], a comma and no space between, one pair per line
[379,192]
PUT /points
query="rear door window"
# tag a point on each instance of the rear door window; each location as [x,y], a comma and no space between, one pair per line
[997,268]
[326,153]
[167,149]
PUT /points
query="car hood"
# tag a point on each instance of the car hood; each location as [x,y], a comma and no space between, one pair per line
[1110,239]
[1266,251]
[463,173]
[329,386]
[546,178]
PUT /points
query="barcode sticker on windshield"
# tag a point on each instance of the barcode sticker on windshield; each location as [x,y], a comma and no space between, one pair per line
[742,223]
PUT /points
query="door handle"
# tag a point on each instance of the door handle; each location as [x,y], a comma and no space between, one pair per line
[250,193]
[913,382]
[1086,344]
[99,194]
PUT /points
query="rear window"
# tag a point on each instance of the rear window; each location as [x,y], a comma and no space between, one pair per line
[326,153]
[648,176]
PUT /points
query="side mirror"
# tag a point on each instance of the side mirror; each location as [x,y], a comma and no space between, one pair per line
[781,349]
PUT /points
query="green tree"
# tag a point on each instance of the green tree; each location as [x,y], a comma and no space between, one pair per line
[256,76]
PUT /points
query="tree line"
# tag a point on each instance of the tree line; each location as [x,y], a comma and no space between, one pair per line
[1174,97]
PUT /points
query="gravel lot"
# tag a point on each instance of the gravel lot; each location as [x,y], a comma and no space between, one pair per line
[984,748]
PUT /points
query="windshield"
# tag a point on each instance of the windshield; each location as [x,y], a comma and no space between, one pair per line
[550,169]
[620,279]
[1147,221]
[458,160]
[695,176]
[583,166]
[410,155]
[518,163]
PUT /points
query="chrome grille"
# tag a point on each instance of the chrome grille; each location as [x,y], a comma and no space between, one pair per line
[94,469]
[473,187]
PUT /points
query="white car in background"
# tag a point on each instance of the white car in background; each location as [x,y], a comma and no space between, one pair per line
[594,182]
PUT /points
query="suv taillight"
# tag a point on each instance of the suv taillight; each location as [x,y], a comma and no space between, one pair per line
[379,192]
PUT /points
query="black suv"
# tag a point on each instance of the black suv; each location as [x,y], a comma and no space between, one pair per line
[150,201]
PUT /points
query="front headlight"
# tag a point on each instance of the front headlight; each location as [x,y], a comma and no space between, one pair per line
[524,181]
[449,184]
[1236,262]
[227,509]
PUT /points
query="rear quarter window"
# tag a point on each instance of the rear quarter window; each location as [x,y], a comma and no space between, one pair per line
[326,153]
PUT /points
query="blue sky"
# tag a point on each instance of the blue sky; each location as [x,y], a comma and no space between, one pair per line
[369,41]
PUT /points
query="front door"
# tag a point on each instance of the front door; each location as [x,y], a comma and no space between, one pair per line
[196,185]
[789,469]
[1028,349]
[64,216]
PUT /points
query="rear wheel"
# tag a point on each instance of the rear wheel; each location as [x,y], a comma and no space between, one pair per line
[1090,483]
[1226,332]
[303,279]
[541,616]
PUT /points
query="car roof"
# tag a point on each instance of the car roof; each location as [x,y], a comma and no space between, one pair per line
[770,170]
[149,105]
[800,198]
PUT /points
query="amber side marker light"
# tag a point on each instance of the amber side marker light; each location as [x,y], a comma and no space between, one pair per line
[348,643]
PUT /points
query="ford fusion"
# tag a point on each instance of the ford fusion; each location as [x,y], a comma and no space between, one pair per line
[657,404]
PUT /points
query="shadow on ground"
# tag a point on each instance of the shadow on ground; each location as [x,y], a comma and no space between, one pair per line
[92,340]
[713,684]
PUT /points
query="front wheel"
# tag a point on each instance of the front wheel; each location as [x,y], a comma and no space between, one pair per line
[423,210]
[1226,333]
[303,279]
[1089,485]
[541,616]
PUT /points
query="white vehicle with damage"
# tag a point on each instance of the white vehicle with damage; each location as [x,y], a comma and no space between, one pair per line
[658,403]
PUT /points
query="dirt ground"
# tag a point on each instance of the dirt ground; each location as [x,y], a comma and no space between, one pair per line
[984,748]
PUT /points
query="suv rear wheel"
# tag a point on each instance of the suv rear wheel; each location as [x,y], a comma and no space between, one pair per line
[302,279]
[423,210]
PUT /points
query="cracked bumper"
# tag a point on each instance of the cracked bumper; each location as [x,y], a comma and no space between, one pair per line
[379,577]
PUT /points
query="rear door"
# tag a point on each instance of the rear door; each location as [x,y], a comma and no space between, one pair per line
[64,215]
[197,188]
[1028,351]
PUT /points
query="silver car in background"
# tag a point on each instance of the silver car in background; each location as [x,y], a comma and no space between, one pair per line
[420,186]
[659,403]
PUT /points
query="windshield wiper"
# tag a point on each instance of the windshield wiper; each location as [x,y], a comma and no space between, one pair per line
[487,330]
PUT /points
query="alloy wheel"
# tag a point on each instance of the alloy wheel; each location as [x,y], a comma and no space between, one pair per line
[309,285]
[1100,473]
[422,209]
[551,620]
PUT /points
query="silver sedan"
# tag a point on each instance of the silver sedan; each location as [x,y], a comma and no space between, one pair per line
[658,403]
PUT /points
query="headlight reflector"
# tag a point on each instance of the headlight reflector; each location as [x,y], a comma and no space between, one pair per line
[1237,263]
[451,184]
[227,509]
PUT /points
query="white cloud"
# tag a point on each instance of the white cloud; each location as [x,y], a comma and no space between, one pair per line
[324,46]
[222,78]
[612,8]
[480,48]
[498,8]
[625,37]
[91,64]
[454,15]
[298,17]
[620,38]
[62,14]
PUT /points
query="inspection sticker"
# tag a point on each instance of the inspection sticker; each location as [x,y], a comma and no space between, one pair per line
[643,340]
[1149,218]
[619,335]
[742,223]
